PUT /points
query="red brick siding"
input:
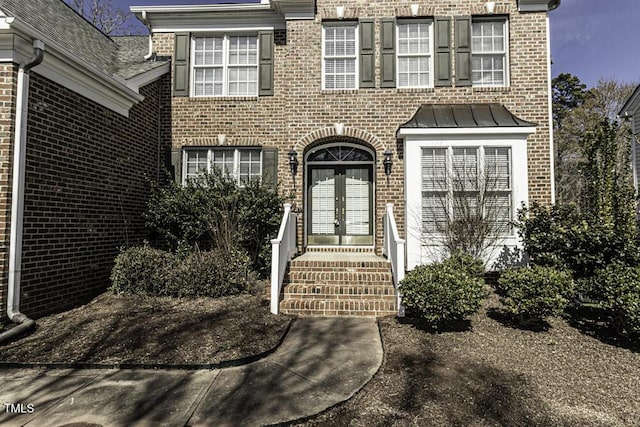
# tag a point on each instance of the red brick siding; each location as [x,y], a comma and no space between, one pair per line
[86,186]
[300,106]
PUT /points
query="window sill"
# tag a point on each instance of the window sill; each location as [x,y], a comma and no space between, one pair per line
[223,98]
[415,90]
[337,91]
[503,89]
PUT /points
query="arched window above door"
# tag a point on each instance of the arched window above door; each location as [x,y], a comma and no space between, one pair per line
[340,153]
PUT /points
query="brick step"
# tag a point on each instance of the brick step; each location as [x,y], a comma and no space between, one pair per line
[342,291]
[341,249]
[303,265]
[349,307]
[339,277]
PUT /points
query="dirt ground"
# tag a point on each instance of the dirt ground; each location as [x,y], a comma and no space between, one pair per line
[149,330]
[481,373]
[492,374]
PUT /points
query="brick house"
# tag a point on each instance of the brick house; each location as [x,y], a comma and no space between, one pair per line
[362,110]
[80,132]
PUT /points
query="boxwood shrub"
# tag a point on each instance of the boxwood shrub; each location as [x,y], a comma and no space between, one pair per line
[443,292]
[619,286]
[532,294]
[148,271]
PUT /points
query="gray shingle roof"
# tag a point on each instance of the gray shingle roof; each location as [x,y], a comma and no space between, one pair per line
[64,26]
[130,56]
[55,19]
[464,116]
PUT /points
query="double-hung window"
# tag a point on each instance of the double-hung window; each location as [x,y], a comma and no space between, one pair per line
[466,186]
[414,54]
[340,56]
[489,41]
[242,164]
[225,65]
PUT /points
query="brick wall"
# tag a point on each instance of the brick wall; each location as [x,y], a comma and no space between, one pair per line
[300,107]
[86,186]
[8,77]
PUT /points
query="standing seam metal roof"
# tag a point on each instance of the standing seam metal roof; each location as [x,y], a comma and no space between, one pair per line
[464,116]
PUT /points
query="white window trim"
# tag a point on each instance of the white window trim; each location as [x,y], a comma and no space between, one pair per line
[357,52]
[236,160]
[225,64]
[480,166]
[431,54]
[418,252]
[505,60]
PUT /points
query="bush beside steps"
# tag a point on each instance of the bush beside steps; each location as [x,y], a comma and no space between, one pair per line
[148,271]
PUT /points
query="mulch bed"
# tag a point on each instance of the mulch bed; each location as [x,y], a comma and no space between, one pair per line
[115,329]
[488,373]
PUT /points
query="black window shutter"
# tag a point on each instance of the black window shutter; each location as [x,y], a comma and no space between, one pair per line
[181,64]
[388,52]
[367,53]
[270,166]
[265,70]
[463,51]
[176,163]
[442,60]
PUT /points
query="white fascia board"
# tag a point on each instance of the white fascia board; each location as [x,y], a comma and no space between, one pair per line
[630,108]
[537,5]
[62,67]
[135,83]
[247,17]
[403,132]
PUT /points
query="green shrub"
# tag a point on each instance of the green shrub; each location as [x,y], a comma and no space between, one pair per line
[148,271]
[619,286]
[561,237]
[141,270]
[214,273]
[212,212]
[534,293]
[466,262]
[442,292]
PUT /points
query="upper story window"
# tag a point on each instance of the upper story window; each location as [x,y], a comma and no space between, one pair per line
[225,65]
[242,164]
[414,54]
[340,56]
[489,48]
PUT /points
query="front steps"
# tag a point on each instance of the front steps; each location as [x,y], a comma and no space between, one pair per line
[329,283]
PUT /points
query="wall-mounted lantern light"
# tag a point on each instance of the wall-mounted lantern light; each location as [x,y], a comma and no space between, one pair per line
[293,162]
[387,162]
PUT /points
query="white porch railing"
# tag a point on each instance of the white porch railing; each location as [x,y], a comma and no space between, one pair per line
[282,250]
[393,249]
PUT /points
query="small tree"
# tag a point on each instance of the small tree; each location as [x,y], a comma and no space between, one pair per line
[104,15]
[469,212]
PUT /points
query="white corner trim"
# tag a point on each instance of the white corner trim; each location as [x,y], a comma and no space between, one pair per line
[135,83]
[467,131]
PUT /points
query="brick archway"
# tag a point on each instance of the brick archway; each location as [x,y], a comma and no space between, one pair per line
[330,133]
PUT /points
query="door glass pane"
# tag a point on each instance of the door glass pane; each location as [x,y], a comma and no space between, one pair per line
[357,188]
[322,201]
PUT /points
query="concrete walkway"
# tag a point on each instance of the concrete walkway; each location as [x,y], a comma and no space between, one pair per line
[322,361]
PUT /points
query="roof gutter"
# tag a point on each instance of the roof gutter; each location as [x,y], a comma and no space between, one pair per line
[23,322]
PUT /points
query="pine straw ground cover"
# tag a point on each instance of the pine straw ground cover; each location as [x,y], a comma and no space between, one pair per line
[491,374]
[152,330]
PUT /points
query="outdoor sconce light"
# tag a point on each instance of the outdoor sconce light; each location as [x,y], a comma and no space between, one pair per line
[387,162]
[293,162]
